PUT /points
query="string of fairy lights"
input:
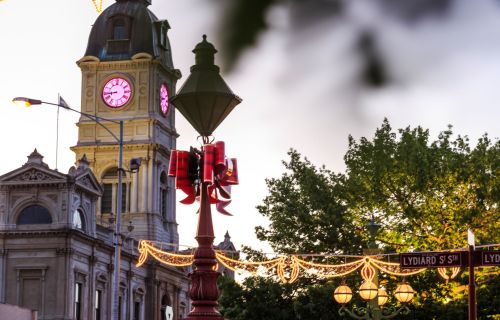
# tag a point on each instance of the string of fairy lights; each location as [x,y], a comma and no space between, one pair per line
[288,267]
[97,5]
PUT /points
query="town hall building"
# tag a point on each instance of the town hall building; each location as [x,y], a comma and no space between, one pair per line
[57,229]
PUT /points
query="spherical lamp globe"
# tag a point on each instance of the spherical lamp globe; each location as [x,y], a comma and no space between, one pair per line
[368,290]
[342,294]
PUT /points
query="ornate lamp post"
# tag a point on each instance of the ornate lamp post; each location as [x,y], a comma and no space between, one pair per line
[369,290]
[134,166]
[204,100]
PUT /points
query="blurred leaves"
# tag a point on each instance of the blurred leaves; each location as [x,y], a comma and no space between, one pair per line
[242,22]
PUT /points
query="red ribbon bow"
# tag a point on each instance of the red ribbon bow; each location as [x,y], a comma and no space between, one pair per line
[217,170]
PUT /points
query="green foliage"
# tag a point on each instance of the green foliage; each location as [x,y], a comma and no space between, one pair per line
[257,298]
[424,193]
[307,211]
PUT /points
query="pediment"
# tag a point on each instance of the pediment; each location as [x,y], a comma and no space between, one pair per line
[32,175]
[88,182]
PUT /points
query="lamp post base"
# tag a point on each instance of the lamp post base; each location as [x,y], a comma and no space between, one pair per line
[204,294]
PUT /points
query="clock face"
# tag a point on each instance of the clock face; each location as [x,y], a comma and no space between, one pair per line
[116,92]
[164,98]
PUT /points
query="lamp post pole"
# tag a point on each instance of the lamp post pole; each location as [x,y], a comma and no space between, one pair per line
[374,307]
[117,241]
[204,100]
[115,296]
[373,249]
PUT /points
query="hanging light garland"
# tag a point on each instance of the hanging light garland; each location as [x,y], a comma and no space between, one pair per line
[172,259]
[97,5]
[448,273]
[286,267]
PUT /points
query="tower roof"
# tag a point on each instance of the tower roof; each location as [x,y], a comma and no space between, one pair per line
[126,28]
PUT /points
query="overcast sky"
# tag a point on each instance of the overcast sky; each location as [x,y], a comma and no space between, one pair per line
[300,88]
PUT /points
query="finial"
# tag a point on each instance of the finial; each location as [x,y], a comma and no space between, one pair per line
[35,157]
[83,163]
[204,55]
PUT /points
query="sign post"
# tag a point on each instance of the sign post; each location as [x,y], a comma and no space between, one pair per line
[470,258]
[433,259]
[472,281]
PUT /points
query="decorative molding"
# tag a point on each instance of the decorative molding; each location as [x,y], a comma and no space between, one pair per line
[80,276]
[15,198]
[65,251]
[86,182]
[32,175]
[53,197]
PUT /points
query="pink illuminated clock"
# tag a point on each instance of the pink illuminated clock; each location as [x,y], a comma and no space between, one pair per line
[164,99]
[116,92]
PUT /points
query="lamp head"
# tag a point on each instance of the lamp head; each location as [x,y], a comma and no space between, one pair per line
[135,163]
[404,292]
[25,102]
[368,290]
[342,294]
[205,99]
[382,297]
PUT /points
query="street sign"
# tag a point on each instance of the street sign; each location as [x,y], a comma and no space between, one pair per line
[433,259]
[488,258]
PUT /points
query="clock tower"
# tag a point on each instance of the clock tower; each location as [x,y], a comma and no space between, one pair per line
[128,75]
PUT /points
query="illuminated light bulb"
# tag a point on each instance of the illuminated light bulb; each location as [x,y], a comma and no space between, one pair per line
[368,290]
[342,294]
[382,297]
[404,293]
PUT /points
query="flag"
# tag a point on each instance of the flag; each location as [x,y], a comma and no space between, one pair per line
[63,103]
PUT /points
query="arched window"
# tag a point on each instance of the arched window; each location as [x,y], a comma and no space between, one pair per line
[166,308]
[163,195]
[110,191]
[34,214]
[79,220]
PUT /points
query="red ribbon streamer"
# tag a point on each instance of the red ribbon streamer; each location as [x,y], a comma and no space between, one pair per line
[220,172]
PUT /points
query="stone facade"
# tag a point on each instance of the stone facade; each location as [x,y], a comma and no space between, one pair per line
[143,58]
[62,266]
[57,231]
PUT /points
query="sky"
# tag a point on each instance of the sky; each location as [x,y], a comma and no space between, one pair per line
[300,88]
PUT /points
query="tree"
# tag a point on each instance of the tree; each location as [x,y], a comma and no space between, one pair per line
[307,212]
[425,194]
[257,298]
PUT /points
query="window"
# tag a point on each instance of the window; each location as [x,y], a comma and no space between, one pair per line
[119,29]
[107,198]
[120,308]
[166,309]
[124,197]
[118,35]
[78,301]
[98,304]
[34,214]
[137,310]
[163,195]
[163,36]
[78,220]
[110,191]
[138,298]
